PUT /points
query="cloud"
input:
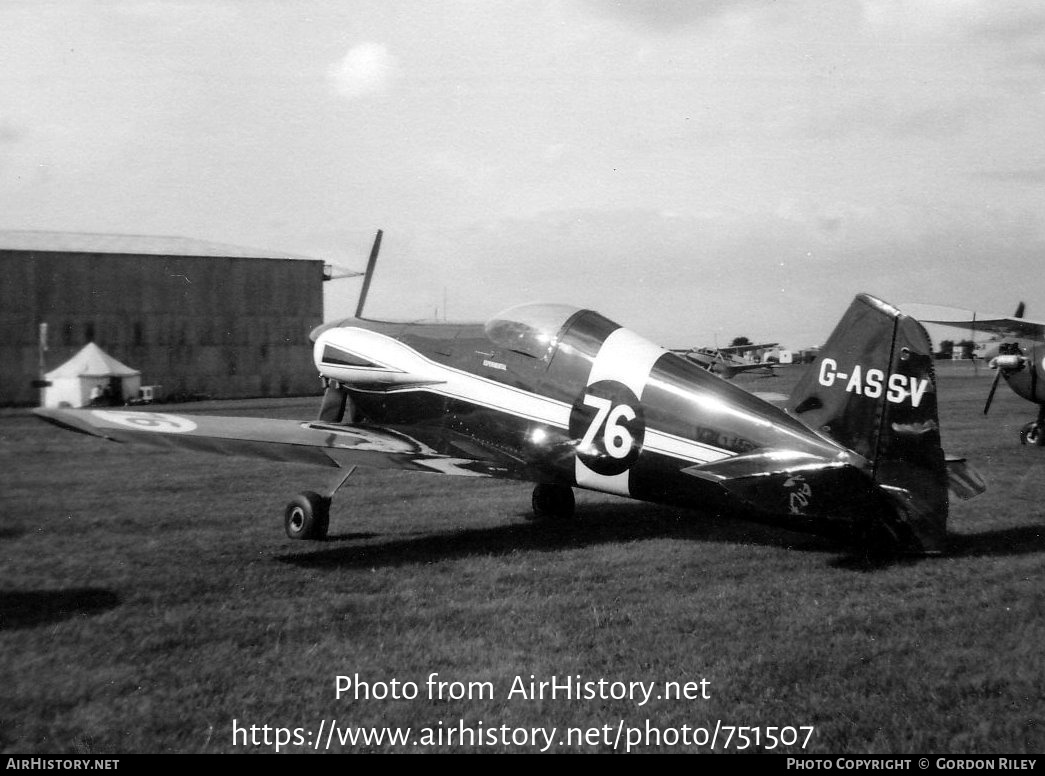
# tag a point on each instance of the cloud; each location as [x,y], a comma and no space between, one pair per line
[1033,176]
[366,69]
[665,15]
[927,17]
[9,134]
[935,121]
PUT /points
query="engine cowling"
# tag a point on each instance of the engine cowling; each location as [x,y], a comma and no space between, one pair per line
[369,361]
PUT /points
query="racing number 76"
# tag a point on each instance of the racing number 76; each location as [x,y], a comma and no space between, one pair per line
[616,438]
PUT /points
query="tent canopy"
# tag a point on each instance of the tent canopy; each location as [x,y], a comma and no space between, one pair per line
[91,361]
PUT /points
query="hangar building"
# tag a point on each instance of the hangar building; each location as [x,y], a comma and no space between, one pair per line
[197,318]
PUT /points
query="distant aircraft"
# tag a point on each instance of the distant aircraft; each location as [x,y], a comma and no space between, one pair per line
[564,398]
[728,362]
[1017,351]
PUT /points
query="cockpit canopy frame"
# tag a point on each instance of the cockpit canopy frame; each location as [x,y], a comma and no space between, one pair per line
[530,329]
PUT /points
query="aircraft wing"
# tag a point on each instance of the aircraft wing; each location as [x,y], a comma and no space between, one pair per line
[747,367]
[311,442]
[748,348]
[1016,328]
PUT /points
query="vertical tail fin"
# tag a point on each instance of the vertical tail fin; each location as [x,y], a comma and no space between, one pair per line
[872,388]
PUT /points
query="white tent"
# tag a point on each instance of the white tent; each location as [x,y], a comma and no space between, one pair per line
[90,370]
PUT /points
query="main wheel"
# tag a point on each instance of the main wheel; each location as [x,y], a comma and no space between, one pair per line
[1033,434]
[552,502]
[307,516]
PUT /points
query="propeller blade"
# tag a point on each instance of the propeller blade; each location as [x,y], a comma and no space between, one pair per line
[369,274]
[990,396]
[1019,310]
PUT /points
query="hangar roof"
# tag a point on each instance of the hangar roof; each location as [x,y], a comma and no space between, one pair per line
[132,244]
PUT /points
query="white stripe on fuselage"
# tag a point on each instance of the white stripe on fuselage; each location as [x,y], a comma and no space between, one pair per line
[680,447]
[626,358]
[472,388]
[416,369]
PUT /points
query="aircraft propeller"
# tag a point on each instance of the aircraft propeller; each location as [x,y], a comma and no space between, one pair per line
[369,274]
[990,395]
[1004,362]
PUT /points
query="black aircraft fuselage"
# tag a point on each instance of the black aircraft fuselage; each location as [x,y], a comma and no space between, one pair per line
[566,397]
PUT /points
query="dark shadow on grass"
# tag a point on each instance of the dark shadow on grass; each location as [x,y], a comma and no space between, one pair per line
[596,524]
[11,532]
[347,537]
[859,560]
[28,608]
[1024,540]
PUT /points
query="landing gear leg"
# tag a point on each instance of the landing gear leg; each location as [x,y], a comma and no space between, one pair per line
[307,516]
[337,406]
[342,481]
[552,502]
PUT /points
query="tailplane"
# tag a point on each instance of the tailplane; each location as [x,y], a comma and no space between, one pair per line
[873,389]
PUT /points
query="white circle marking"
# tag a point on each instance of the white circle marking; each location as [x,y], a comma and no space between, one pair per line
[148,421]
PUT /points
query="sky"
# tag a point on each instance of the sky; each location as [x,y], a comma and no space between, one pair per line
[695,170]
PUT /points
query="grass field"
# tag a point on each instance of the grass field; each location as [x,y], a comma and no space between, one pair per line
[148,599]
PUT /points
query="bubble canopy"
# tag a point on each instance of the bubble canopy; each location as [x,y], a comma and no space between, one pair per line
[530,329]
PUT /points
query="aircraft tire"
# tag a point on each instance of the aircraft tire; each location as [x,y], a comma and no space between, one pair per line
[307,516]
[1033,434]
[552,502]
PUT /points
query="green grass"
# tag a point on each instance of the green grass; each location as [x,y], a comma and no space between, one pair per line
[148,598]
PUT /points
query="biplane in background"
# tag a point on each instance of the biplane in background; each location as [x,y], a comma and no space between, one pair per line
[1017,350]
[730,361]
[564,398]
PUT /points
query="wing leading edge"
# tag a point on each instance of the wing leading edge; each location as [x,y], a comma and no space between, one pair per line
[1016,328]
[316,443]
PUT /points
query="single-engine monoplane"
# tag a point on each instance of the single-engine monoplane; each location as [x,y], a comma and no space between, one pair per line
[565,398]
[1017,351]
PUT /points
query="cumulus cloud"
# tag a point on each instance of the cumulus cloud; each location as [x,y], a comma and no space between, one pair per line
[366,69]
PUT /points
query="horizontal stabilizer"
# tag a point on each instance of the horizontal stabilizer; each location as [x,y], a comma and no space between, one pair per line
[963,480]
[801,486]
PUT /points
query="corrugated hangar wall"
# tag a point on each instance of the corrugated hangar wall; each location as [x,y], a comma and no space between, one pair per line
[221,326]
